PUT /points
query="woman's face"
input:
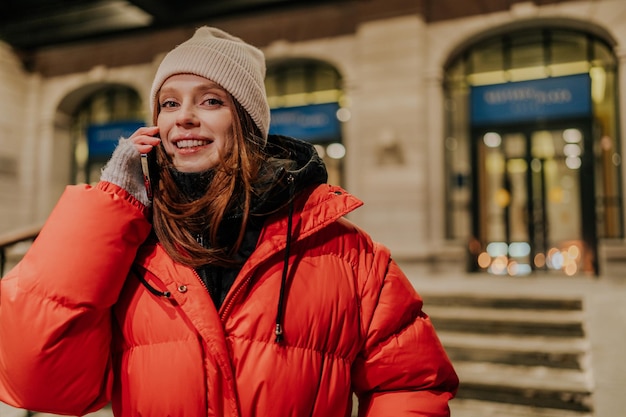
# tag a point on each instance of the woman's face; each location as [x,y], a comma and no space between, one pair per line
[195,121]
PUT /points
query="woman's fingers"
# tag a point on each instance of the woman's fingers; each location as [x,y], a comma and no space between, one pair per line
[145,138]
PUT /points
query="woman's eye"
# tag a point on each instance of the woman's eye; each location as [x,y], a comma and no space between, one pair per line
[214,102]
[168,103]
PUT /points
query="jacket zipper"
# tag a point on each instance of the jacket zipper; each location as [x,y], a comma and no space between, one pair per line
[201,282]
[234,297]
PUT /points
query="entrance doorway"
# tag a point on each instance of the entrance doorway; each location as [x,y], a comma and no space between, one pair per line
[521,85]
[533,199]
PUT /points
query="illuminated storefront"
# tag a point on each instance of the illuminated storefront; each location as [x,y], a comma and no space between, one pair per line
[532,153]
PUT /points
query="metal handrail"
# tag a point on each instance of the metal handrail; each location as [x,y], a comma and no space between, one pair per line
[9,239]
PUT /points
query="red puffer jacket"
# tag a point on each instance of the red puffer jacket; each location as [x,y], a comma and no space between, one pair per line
[77,329]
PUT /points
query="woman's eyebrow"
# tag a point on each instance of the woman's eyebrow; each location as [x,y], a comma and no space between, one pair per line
[204,88]
[210,87]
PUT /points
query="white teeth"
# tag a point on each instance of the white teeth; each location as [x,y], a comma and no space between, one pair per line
[189,143]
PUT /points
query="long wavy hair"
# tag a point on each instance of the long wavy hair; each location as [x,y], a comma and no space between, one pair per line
[178,222]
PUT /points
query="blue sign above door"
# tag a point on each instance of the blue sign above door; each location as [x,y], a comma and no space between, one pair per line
[524,101]
[103,138]
[315,123]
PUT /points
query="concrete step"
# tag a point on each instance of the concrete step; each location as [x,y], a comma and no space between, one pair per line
[105,412]
[8,411]
[503,301]
[528,343]
[474,408]
[524,377]
[537,386]
[527,350]
[561,323]
[513,315]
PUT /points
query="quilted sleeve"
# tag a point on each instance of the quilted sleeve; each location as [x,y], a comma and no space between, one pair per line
[55,305]
[403,369]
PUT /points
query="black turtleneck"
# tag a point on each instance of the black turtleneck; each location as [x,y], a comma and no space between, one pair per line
[192,185]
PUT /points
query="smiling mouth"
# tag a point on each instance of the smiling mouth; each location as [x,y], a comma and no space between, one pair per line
[191,143]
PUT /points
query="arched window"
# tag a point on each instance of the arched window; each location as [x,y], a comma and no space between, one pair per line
[97,124]
[524,55]
[307,102]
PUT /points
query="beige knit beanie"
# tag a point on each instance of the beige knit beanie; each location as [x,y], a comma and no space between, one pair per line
[225,59]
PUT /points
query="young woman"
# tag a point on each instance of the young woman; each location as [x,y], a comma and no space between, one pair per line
[239,290]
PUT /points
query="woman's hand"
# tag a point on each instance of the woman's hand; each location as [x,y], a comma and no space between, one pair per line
[124,167]
[145,138]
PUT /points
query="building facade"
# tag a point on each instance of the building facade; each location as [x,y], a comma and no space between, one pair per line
[482,137]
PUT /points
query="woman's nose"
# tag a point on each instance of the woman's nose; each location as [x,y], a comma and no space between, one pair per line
[187,116]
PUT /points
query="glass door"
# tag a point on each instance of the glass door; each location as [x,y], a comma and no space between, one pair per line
[529,193]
